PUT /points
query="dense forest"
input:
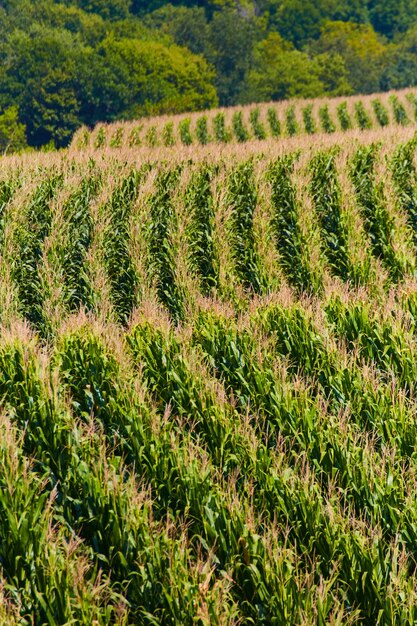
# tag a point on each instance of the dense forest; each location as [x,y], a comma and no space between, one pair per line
[65,63]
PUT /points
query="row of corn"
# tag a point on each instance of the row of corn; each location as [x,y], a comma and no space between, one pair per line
[257,124]
[207,382]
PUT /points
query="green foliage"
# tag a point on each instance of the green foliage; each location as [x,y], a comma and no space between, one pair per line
[168,138]
[242,200]
[362,117]
[239,129]
[291,121]
[161,263]
[309,124]
[326,120]
[12,132]
[274,123]
[279,72]
[343,116]
[257,127]
[288,236]
[400,114]
[221,134]
[361,50]
[150,77]
[380,112]
[200,204]
[185,133]
[202,130]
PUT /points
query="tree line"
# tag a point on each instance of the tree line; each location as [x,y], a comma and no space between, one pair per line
[67,63]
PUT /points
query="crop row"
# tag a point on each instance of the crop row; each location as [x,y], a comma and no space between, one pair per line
[258,468]
[208,391]
[259,123]
[177,233]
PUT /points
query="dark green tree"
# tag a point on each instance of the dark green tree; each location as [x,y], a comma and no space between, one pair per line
[390,17]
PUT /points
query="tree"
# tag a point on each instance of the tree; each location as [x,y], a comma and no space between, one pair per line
[390,17]
[361,49]
[300,21]
[233,36]
[12,132]
[40,78]
[108,9]
[280,72]
[150,77]
[188,27]
[401,63]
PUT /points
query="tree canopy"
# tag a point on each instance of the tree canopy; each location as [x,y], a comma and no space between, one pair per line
[65,63]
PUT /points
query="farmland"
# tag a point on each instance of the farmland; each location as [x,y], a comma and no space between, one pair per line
[207,372]
[256,122]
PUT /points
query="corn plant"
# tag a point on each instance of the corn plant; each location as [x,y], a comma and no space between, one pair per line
[386,347]
[200,233]
[8,188]
[377,221]
[185,132]
[202,130]
[161,264]
[291,121]
[325,119]
[405,178]
[116,140]
[83,138]
[362,116]
[242,199]
[412,99]
[274,123]
[381,112]
[288,236]
[30,239]
[219,127]
[168,138]
[118,263]
[238,126]
[79,224]
[151,136]
[100,138]
[135,136]
[257,127]
[33,555]
[400,114]
[343,116]
[309,124]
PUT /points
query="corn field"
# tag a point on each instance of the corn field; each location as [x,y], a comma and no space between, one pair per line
[207,372]
[255,123]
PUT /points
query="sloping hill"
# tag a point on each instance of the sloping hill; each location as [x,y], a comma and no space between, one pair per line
[207,381]
[257,122]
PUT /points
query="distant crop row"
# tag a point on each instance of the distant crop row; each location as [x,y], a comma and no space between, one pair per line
[208,390]
[256,124]
[216,229]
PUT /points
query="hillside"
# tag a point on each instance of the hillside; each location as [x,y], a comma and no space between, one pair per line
[207,372]
[256,122]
